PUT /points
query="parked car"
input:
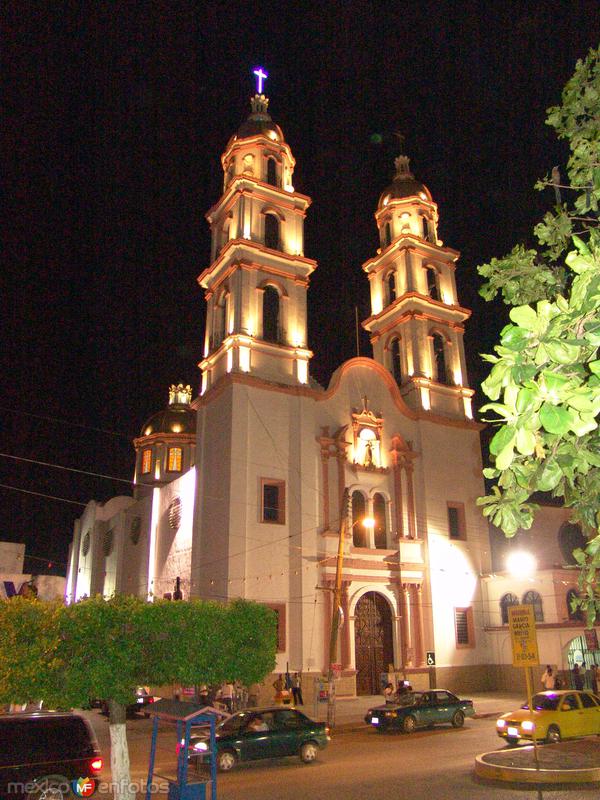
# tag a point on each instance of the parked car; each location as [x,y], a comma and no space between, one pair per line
[420,710]
[42,752]
[261,733]
[556,715]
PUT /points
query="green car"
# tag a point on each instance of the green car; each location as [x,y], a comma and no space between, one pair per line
[420,710]
[261,733]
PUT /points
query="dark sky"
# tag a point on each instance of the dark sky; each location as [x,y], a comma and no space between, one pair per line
[115,119]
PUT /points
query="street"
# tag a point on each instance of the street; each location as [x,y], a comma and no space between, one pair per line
[427,765]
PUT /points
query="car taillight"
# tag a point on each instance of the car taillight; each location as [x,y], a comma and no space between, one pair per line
[150,699]
[327,730]
[96,765]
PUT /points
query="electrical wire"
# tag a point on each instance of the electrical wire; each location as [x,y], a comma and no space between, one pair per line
[68,469]
[41,494]
[71,423]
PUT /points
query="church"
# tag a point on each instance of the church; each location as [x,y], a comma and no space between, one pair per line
[241,491]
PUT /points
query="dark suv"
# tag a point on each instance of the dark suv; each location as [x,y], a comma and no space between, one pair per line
[42,753]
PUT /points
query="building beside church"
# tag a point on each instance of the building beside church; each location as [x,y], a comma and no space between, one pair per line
[240,492]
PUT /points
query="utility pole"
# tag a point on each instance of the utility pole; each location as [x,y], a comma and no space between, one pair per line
[336,611]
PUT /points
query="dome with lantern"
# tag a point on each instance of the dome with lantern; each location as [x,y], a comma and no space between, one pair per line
[178,417]
[404,185]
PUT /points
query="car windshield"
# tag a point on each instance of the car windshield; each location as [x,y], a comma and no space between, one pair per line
[233,724]
[543,702]
[409,699]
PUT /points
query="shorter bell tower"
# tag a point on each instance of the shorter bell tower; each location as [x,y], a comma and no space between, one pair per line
[257,283]
[416,323]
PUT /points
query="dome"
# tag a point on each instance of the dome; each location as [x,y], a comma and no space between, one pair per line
[404,185]
[178,417]
[174,419]
[259,123]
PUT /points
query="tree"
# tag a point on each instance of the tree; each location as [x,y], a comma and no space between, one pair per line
[107,648]
[545,381]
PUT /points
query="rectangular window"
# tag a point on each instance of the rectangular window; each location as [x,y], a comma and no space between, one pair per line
[279,609]
[174,459]
[273,501]
[463,626]
[146,461]
[456,520]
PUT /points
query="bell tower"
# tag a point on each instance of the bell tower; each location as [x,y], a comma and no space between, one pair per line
[416,322]
[257,283]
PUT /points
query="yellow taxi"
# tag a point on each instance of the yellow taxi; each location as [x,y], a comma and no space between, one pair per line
[556,715]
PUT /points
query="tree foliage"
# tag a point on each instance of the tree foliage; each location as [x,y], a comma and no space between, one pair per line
[545,380]
[97,648]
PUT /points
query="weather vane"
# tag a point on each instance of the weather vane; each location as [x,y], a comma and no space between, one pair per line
[260,77]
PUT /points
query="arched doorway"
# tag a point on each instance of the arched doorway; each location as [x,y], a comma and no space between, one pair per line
[373,641]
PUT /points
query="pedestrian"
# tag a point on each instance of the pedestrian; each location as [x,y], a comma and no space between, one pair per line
[594,678]
[203,694]
[279,686]
[548,679]
[227,696]
[388,693]
[297,689]
[577,678]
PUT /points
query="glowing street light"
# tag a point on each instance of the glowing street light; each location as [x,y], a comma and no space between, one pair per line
[521,564]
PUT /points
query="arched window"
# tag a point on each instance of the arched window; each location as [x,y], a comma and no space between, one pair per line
[390,284]
[433,288]
[534,599]
[570,538]
[507,600]
[380,529]
[359,533]
[270,314]
[396,361]
[272,172]
[425,228]
[439,354]
[575,614]
[387,234]
[219,321]
[271,231]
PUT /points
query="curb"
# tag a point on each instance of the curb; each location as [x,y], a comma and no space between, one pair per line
[508,774]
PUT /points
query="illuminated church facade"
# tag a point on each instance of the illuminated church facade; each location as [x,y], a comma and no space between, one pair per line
[240,491]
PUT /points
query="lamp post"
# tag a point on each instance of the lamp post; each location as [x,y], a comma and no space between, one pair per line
[368,522]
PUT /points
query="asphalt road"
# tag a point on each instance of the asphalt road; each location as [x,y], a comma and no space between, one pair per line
[364,765]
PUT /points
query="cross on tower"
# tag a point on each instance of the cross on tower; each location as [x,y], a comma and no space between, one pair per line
[260,76]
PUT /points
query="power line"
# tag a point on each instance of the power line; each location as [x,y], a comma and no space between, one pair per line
[41,494]
[64,422]
[68,469]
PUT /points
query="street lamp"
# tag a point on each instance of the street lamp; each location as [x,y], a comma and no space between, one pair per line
[367,522]
[521,564]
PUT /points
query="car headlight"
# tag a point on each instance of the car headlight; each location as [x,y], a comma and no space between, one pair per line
[501,723]
[201,746]
[528,725]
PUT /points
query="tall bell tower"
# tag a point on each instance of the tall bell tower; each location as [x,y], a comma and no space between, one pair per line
[416,322]
[257,283]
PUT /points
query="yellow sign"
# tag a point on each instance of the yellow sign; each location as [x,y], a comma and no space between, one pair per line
[521,622]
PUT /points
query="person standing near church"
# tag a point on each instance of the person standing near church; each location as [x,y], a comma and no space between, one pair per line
[548,678]
[297,689]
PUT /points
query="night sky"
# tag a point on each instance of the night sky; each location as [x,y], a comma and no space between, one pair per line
[116,115]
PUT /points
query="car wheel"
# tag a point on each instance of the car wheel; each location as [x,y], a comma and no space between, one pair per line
[409,724]
[553,735]
[308,752]
[512,742]
[458,719]
[226,760]
[50,788]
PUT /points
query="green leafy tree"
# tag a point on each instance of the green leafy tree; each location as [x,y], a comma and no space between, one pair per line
[107,648]
[545,380]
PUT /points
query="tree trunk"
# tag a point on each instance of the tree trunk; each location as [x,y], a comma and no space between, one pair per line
[119,753]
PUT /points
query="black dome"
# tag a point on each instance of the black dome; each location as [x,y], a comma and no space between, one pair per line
[177,418]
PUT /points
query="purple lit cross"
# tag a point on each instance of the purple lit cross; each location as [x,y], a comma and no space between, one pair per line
[260,75]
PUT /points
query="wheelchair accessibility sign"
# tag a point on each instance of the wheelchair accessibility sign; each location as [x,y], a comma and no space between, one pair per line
[430,658]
